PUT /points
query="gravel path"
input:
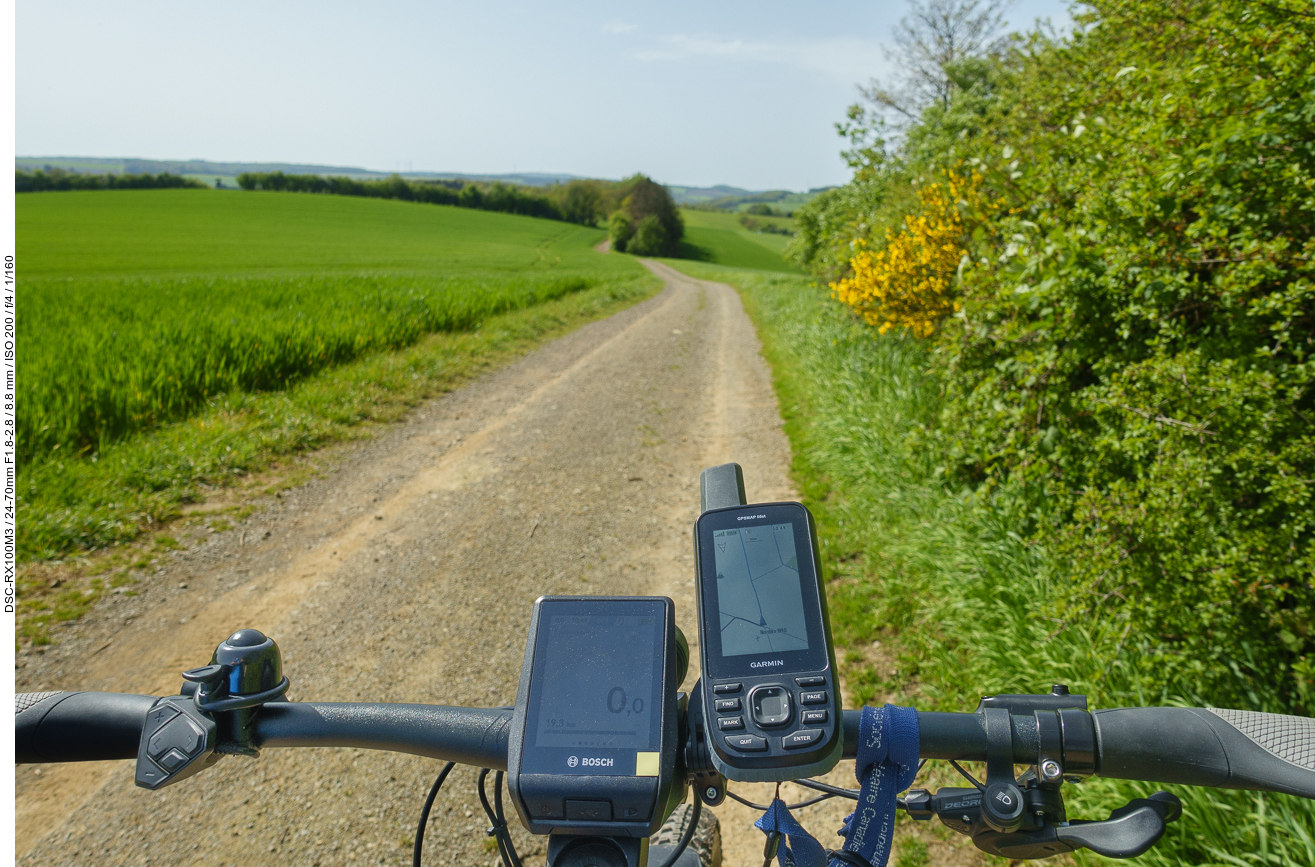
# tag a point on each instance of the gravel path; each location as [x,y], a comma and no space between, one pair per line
[407,574]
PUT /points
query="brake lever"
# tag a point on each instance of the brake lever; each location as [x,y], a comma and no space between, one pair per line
[1128,832]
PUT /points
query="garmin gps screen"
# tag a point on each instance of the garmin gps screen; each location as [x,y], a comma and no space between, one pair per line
[595,695]
[759,595]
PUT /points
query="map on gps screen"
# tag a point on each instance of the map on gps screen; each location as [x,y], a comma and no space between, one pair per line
[758,591]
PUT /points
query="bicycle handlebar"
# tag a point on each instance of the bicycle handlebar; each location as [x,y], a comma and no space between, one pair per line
[1217,748]
[1226,749]
[78,726]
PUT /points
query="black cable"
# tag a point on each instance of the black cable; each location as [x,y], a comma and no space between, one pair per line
[502,821]
[765,807]
[967,776]
[836,791]
[424,814]
[689,831]
[773,843]
[746,802]
[498,824]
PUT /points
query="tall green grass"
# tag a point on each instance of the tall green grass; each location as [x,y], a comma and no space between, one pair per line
[947,580]
[104,358]
[130,320]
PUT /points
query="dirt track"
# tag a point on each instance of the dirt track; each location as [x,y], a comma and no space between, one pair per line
[407,574]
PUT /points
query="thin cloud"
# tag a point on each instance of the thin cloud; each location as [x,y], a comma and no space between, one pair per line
[616,25]
[846,59]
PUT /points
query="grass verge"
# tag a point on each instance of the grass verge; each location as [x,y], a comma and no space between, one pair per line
[69,507]
[935,597]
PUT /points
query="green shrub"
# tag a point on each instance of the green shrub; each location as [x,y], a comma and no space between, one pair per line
[620,230]
[648,200]
[650,238]
[1135,345]
[1131,367]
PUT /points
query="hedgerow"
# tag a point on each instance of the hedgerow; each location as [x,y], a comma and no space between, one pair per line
[60,180]
[1125,345]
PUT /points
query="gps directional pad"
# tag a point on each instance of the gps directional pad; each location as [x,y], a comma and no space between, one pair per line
[770,705]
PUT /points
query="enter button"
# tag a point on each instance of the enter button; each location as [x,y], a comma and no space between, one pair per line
[801,738]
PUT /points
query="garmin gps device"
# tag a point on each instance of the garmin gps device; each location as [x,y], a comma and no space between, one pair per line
[592,747]
[770,696]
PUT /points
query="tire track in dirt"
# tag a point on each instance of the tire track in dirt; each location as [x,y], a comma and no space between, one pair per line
[407,573]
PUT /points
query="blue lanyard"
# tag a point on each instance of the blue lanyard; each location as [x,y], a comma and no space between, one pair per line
[887,763]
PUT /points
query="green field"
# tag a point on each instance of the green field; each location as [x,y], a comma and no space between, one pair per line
[176,232]
[143,304]
[718,237]
[144,308]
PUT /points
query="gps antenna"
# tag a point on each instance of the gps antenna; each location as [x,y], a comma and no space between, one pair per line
[722,486]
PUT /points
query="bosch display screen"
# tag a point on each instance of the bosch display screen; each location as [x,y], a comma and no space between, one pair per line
[595,693]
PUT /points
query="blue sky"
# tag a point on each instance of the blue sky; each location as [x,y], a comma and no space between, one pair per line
[690,93]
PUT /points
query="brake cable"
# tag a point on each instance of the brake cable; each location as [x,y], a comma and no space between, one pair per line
[695,812]
[810,802]
[967,776]
[424,814]
[498,829]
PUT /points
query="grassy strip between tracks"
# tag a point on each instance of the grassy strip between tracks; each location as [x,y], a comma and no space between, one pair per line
[144,482]
[934,599]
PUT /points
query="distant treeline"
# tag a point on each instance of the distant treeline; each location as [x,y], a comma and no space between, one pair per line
[642,217]
[575,202]
[59,179]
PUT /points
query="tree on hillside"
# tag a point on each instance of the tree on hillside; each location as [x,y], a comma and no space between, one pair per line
[931,43]
[651,214]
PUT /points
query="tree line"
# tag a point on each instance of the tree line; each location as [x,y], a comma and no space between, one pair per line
[643,218]
[57,179]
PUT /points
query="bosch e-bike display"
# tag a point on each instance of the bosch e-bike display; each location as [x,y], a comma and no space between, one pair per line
[770,697]
[593,740]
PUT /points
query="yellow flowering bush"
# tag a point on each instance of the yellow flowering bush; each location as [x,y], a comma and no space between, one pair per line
[910,283]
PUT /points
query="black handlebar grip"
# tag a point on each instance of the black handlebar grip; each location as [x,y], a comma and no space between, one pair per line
[470,736]
[1227,749]
[78,726]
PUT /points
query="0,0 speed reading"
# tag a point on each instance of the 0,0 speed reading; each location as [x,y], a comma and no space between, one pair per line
[616,702]
[613,709]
